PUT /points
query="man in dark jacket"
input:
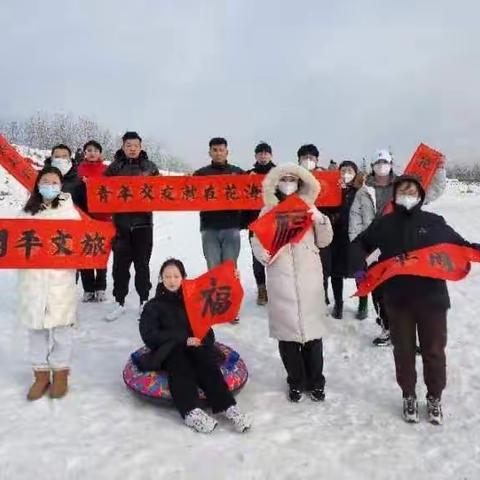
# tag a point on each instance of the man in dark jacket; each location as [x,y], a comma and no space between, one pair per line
[61,158]
[134,237]
[413,303]
[263,164]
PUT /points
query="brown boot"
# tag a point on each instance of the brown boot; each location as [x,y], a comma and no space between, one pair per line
[40,385]
[59,386]
[262,296]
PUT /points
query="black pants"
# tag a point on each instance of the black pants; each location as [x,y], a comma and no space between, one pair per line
[132,246]
[379,304]
[303,363]
[94,280]
[191,367]
[258,268]
[337,287]
[431,323]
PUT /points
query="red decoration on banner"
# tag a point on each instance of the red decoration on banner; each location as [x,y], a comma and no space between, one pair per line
[30,243]
[218,192]
[445,261]
[16,165]
[423,165]
[286,223]
[214,297]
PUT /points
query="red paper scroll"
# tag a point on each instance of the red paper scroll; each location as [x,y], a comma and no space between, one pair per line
[214,297]
[286,223]
[445,261]
[218,192]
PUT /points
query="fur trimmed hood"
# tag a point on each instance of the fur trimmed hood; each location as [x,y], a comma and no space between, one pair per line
[308,186]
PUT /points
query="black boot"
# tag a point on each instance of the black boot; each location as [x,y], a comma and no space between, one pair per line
[337,311]
[362,312]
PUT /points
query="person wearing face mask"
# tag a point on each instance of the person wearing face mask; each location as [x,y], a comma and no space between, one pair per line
[296,309]
[61,158]
[341,242]
[369,204]
[263,164]
[413,303]
[308,156]
[47,297]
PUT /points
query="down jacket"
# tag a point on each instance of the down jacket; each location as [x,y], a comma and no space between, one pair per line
[370,200]
[47,297]
[296,307]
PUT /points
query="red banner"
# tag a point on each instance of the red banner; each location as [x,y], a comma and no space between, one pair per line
[423,165]
[445,261]
[286,223]
[214,297]
[30,243]
[218,192]
[16,165]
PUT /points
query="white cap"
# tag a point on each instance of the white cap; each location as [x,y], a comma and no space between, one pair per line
[382,155]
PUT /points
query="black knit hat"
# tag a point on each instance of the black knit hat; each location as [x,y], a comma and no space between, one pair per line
[131,136]
[348,163]
[263,147]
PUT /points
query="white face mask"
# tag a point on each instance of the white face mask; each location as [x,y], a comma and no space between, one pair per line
[407,201]
[287,188]
[382,169]
[64,165]
[308,164]
[348,177]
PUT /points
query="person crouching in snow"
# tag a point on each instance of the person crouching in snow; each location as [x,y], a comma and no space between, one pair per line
[296,309]
[189,362]
[47,297]
[413,303]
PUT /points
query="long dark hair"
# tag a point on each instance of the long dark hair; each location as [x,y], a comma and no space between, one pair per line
[173,262]
[35,202]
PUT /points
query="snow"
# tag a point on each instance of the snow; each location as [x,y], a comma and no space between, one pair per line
[102,431]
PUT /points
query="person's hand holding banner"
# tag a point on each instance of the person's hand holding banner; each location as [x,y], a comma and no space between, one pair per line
[214,297]
[286,223]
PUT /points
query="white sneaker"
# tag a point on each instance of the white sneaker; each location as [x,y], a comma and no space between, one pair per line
[88,297]
[434,410]
[241,422]
[101,296]
[410,409]
[200,421]
[117,312]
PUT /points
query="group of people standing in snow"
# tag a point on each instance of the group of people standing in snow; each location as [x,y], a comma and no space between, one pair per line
[293,284]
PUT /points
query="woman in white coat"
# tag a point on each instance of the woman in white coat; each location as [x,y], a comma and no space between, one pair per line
[296,309]
[47,297]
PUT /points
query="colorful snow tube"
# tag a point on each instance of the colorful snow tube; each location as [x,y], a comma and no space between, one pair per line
[154,385]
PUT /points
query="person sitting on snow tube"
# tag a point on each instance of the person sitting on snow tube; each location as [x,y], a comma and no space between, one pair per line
[190,363]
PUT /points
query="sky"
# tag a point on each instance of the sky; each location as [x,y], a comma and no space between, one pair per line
[350,76]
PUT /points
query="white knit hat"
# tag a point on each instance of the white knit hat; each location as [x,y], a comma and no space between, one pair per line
[382,155]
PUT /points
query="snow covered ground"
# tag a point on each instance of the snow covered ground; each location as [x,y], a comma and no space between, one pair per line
[102,431]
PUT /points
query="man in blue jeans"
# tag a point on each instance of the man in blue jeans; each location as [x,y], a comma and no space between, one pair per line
[220,229]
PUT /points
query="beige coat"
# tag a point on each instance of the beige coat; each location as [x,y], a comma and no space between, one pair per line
[47,297]
[296,307]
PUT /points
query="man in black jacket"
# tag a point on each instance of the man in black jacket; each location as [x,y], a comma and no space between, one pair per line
[134,231]
[263,164]
[61,158]
[413,303]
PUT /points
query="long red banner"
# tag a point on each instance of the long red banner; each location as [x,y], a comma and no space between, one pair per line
[219,192]
[446,261]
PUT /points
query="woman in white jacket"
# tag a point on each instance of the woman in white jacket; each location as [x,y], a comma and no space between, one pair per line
[47,297]
[296,309]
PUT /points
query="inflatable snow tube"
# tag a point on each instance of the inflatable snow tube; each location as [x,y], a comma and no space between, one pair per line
[154,385]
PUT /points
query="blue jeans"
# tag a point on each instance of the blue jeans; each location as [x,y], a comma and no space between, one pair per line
[220,245]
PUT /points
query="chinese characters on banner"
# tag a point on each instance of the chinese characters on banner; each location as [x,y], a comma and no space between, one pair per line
[286,223]
[445,261]
[219,192]
[30,243]
[214,297]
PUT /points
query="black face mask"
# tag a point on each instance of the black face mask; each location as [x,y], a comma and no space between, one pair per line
[262,169]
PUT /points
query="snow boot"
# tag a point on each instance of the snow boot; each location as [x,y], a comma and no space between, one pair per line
[295,395]
[383,340]
[88,297]
[241,422]
[117,312]
[317,395]
[101,296]
[262,296]
[200,421]
[362,312]
[59,385]
[410,409]
[40,385]
[337,311]
[235,321]
[434,410]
